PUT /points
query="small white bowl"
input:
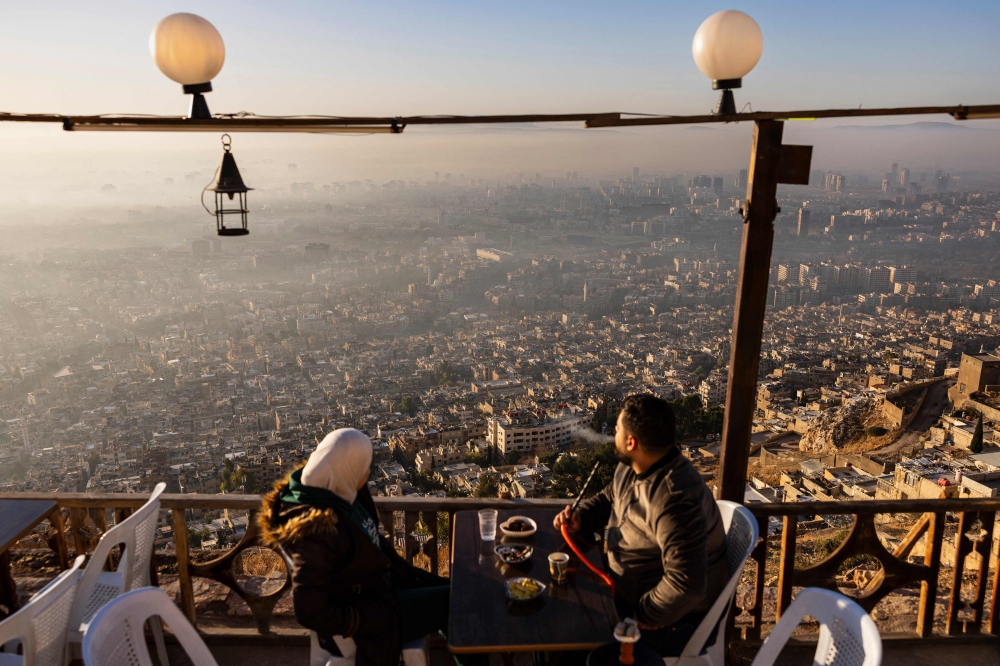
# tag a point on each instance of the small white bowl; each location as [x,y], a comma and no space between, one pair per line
[526,533]
[512,581]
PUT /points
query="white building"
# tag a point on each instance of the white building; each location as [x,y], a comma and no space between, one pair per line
[713,389]
[493,254]
[528,432]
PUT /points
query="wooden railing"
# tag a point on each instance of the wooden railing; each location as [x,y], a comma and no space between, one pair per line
[774,559]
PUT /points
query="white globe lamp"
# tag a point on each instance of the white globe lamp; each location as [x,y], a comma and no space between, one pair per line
[189,50]
[727,45]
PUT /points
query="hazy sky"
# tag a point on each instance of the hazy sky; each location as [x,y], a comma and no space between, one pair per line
[396,58]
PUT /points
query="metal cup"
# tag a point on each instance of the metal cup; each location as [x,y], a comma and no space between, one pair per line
[558,567]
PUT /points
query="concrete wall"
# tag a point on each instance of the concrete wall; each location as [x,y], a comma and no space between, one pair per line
[895,413]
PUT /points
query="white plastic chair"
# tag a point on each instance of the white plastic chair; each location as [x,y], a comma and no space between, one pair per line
[42,625]
[414,653]
[847,634]
[136,533]
[115,636]
[741,538]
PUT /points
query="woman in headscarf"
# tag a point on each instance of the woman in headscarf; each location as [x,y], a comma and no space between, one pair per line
[347,580]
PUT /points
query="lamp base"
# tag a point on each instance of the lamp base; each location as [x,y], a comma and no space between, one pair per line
[727,104]
[718,84]
[199,107]
[233,232]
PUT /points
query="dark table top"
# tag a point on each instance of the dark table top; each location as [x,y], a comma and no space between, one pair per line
[18,517]
[577,615]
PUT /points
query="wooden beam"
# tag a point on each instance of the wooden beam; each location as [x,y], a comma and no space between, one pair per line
[394,124]
[452,504]
[759,211]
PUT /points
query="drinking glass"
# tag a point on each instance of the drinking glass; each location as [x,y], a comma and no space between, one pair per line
[558,566]
[488,524]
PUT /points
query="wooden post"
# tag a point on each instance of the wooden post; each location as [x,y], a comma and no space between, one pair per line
[984,547]
[993,619]
[962,549]
[928,588]
[759,211]
[786,565]
[183,557]
[76,518]
[759,555]
[59,539]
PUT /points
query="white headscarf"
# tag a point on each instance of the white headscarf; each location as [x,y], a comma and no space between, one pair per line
[339,463]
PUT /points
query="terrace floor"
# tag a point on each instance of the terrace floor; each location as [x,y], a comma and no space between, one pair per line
[977,650]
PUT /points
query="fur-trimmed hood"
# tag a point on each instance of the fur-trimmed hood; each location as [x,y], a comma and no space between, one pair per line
[283,527]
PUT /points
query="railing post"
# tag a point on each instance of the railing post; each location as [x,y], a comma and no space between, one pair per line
[786,565]
[410,547]
[984,547]
[759,555]
[59,539]
[100,517]
[77,515]
[431,547]
[183,559]
[962,549]
[759,211]
[992,625]
[928,588]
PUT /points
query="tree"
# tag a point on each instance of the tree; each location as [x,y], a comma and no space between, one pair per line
[409,406]
[487,487]
[976,446]
[569,473]
[237,478]
[425,482]
[445,373]
[195,537]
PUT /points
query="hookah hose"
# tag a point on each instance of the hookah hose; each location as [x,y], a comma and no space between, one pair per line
[600,574]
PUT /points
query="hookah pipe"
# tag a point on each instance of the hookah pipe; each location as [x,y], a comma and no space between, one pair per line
[572,546]
[626,632]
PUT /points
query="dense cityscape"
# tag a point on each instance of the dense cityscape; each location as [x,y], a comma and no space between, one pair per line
[478,331]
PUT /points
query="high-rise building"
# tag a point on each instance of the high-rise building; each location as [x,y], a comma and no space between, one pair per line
[717,185]
[803,273]
[741,180]
[885,184]
[803,229]
[784,270]
[894,172]
[902,274]
[635,174]
[877,280]
[904,177]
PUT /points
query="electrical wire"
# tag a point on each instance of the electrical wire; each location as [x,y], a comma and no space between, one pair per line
[207,210]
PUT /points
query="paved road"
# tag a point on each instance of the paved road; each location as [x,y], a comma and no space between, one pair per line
[934,405]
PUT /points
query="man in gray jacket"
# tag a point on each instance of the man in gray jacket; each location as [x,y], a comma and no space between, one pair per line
[666,542]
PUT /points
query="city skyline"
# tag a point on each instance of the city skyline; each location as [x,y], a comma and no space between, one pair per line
[457,58]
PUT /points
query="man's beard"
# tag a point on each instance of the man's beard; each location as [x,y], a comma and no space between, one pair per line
[622,457]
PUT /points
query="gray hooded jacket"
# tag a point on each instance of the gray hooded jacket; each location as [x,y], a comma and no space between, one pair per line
[666,541]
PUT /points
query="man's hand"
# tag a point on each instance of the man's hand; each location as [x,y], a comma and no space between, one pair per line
[570,519]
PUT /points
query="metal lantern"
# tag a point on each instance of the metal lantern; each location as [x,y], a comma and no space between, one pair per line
[230,184]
